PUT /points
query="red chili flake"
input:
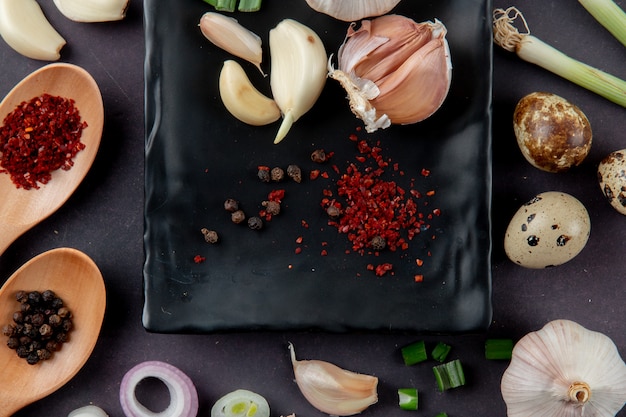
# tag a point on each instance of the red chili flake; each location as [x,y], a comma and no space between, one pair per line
[298,250]
[199,259]
[324,174]
[353,137]
[437,212]
[419,278]
[263,168]
[304,224]
[276,195]
[299,239]
[314,174]
[40,136]
[324,252]
[430,193]
[382,269]
[425,172]
[419,262]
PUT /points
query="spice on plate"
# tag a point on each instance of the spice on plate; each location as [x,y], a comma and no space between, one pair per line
[210,236]
[238,216]
[277,174]
[38,137]
[295,173]
[39,327]
[231,205]
[255,223]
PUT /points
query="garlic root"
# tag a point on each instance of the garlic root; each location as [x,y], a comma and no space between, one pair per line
[331,389]
[93,10]
[242,99]
[24,27]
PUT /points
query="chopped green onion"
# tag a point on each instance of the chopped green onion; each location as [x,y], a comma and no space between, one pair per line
[440,352]
[249,5]
[498,348]
[441,415]
[414,353]
[609,15]
[211,2]
[449,375]
[407,399]
[226,5]
[535,51]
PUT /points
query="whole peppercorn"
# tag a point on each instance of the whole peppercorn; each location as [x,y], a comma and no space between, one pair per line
[13,343]
[231,205]
[264,174]
[34,297]
[54,320]
[66,325]
[52,346]
[56,303]
[8,330]
[63,312]
[271,207]
[44,354]
[32,358]
[295,173]
[37,319]
[210,236]
[318,156]
[61,337]
[18,317]
[21,296]
[48,295]
[22,351]
[255,223]
[238,216]
[45,330]
[277,174]
[333,211]
[378,243]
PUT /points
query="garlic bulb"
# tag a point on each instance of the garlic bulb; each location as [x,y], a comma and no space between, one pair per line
[228,34]
[395,71]
[351,10]
[298,71]
[564,370]
[334,390]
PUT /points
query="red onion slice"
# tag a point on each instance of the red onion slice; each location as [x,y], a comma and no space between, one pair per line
[183,394]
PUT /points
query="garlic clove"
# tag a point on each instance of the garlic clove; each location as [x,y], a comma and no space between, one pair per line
[93,10]
[298,71]
[24,27]
[331,389]
[228,34]
[242,99]
[409,64]
[564,370]
[351,10]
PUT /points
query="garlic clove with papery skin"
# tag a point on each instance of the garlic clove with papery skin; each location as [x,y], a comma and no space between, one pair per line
[351,10]
[564,370]
[395,71]
[334,390]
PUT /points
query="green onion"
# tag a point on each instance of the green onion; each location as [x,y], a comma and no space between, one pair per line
[441,415]
[535,51]
[440,352]
[211,2]
[407,399]
[449,375]
[498,348]
[226,5]
[230,5]
[414,353]
[249,5]
[609,15]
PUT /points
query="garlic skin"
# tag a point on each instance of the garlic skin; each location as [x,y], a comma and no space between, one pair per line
[89,11]
[331,389]
[564,370]
[298,71]
[395,71]
[351,10]
[24,27]
[228,34]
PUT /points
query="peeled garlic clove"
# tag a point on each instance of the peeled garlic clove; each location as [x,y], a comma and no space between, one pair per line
[24,27]
[564,370]
[227,33]
[298,71]
[242,99]
[93,10]
[395,71]
[331,389]
[351,10]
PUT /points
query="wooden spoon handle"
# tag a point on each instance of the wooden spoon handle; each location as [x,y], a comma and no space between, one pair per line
[8,234]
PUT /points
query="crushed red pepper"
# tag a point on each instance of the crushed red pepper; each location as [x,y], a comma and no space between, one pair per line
[38,137]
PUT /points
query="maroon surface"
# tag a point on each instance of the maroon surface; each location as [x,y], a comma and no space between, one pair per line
[104,219]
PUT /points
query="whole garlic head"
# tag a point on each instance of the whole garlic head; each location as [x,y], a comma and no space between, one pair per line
[564,370]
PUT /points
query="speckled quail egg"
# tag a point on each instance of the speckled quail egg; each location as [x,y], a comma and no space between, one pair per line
[549,230]
[552,133]
[612,179]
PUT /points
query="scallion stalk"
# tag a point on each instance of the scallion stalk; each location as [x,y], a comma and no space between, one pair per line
[226,5]
[441,415]
[609,15]
[449,375]
[414,353]
[498,348]
[249,5]
[535,51]
[211,2]
[440,352]
[407,399]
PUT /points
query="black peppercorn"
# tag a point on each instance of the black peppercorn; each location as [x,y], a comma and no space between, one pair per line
[13,343]
[378,243]
[34,297]
[37,319]
[264,174]
[271,207]
[231,205]
[238,216]
[54,320]
[318,156]
[63,312]
[22,351]
[295,173]
[66,325]
[21,296]
[43,354]
[277,174]
[61,337]
[32,358]
[52,345]
[45,331]
[57,303]
[255,223]
[210,236]
[8,330]
[48,295]
[333,211]
[18,317]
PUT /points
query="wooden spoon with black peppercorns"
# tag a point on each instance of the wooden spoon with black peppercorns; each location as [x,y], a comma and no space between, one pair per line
[74,278]
[20,208]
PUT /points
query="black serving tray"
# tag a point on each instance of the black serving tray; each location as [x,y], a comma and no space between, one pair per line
[197,155]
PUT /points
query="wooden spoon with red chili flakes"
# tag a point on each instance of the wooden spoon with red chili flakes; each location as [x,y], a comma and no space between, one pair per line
[22,208]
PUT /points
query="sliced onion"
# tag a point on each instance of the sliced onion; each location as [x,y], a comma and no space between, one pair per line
[183,394]
[241,403]
[88,411]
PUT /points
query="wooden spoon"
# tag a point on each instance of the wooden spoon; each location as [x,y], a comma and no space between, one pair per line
[22,209]
[75,278]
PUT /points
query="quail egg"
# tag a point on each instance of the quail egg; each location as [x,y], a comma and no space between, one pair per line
[612,179]
[552,133]
[549,230]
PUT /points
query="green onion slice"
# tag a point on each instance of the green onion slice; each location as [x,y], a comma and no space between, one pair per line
[441,415]
[440,352]
[249,5]
[414,353]
[230,5]
[449,375]
[498,348]
[407,399]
